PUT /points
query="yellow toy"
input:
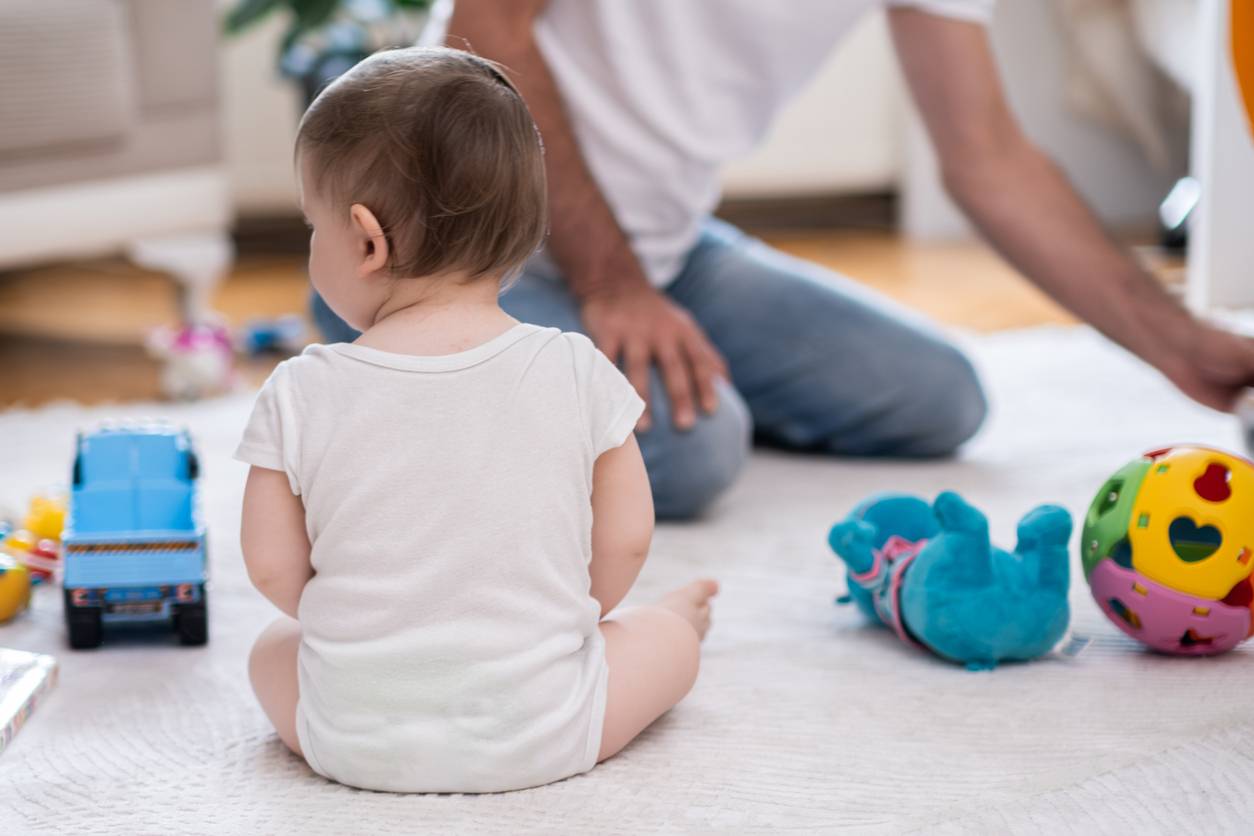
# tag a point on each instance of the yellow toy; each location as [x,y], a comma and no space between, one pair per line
[1242,26]
[1202,502]
[14,588]
[46,517]
[18,543]
[1168,549]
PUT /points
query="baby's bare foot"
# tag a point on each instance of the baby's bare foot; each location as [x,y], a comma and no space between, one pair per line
[693,603]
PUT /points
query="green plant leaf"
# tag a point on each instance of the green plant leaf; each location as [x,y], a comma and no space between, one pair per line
[291,35]
[416,5]
[248,12]
[310,14]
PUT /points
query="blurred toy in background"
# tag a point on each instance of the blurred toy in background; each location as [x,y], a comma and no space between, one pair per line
[1168,550]
[197,360]
[37,544]
[16,543]
[929,573]
[283,335]
[41,557]
[45,516]
[14,588]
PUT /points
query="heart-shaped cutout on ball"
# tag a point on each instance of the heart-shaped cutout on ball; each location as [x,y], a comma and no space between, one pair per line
[1213,484]
[1193,543]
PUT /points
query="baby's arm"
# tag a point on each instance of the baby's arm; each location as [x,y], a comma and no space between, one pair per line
[272,535]
[622,522]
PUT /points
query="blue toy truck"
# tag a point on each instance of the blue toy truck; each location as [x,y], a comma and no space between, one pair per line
[134,545]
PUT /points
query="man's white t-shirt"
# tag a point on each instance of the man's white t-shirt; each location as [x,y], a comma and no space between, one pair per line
[449,640]
[663,93]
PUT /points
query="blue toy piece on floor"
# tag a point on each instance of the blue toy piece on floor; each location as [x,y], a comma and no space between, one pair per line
[929,572]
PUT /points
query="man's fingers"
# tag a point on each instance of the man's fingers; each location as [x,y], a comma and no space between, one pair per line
[677,378]
[705,377]
[636,367]
[714,358]
[1248,356]
[707,365]
[611,346]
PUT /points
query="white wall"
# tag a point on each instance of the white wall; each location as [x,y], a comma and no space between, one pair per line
[836,136]
[1221,251]
[847,132]
[1107,168]
[260,110]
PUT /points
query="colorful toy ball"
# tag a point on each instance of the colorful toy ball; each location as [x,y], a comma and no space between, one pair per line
[1167,547]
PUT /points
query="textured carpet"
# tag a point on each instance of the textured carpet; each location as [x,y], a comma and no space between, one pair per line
[804,719]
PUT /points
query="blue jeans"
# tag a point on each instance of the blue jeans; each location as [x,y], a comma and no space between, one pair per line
[817,363]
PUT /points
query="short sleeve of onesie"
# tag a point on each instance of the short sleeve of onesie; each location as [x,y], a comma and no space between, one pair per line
[977,11]
[269,434]
[609,403]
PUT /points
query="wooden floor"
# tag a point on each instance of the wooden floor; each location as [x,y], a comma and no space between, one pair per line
[77,330]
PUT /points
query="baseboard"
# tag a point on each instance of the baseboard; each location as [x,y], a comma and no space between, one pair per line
[871,211]
[277,234]
[286,233]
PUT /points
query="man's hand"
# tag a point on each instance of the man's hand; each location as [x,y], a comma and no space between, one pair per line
[1211,365]
[642,327]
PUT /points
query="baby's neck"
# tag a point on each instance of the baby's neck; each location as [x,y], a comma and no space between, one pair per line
[434,317]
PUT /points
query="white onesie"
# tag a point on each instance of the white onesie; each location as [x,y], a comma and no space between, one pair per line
[449,640]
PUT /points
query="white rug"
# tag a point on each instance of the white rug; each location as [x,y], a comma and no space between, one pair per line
[804,719]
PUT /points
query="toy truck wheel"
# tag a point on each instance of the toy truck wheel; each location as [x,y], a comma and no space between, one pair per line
[191,622]
[84,627]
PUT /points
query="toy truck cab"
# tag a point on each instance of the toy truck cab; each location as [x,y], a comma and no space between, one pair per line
[134,544]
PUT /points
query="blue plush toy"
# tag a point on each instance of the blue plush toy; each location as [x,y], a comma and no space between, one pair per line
[930,573]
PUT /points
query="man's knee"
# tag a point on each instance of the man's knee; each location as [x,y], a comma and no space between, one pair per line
[950,407]
[935,405]
[689,469]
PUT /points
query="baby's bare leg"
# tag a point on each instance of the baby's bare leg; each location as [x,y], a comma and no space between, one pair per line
[653,654]
[272,670]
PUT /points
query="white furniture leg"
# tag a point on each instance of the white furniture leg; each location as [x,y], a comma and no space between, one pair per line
[1221,240]
[197,261]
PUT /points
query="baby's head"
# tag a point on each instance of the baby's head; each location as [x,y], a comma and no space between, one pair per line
[417,165]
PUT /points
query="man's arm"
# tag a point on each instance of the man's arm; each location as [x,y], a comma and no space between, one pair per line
[626,317]
[1031,214]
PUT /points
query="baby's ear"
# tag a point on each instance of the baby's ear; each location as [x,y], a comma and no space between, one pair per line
[372,243]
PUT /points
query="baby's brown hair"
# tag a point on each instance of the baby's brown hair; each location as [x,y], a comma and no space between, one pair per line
[440,146]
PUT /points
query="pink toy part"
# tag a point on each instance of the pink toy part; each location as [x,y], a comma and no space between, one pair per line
[895,557]
[1164,619]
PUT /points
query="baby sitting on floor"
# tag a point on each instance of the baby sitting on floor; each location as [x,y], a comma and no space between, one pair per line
[448,508]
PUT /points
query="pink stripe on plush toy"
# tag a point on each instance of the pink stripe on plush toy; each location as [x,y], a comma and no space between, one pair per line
[897,554]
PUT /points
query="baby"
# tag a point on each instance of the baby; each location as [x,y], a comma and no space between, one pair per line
[448,508]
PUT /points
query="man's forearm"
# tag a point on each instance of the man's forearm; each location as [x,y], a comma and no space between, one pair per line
[585,239]
[1018,198]
[1024,205]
